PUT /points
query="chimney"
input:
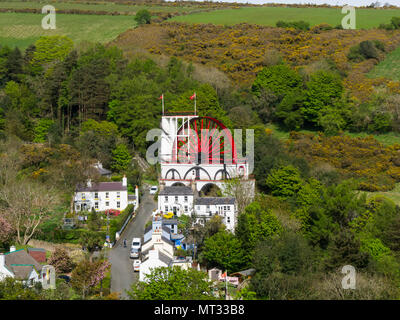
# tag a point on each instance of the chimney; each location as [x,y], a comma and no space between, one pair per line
[137,197]
[12,248]
[124,181]
[89,183]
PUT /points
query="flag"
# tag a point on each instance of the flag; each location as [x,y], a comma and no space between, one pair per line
[161,97]
[193,96]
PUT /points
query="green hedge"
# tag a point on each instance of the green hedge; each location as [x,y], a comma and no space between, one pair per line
[64,236]
[117,222]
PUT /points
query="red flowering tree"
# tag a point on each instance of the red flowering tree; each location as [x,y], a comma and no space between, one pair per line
[61,261]
[6,230]
[88,274]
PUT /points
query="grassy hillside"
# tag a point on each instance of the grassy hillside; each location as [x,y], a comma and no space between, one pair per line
[100,6]
[366,18]
[387,139]
[388,68]
[22,29]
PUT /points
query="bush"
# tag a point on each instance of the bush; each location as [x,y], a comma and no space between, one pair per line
[143,17]
[366,50]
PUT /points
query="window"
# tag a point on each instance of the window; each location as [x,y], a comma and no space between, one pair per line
[118,194]
[118,204]
[78,207]
[186,208]
[186,198]
[166,198]
[176,198]
[107,203]
[224,208]
[228,219]
[96,195]
[166,208]
[83,196]
[208,207]
[96,205]
[107,194]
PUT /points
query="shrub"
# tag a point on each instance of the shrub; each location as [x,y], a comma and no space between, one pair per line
[284,182]
[143,17]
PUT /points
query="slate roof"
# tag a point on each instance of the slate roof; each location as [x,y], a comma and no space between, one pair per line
[214,201]
[163,239]
[164,258]
[176,191]
[169,221]
[102,186]
[21,263]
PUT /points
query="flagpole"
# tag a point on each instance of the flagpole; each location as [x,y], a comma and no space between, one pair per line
[162,101]
[195,103]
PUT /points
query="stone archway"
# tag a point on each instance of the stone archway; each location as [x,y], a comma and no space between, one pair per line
[210,190]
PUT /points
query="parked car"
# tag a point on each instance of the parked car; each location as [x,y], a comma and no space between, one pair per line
[136,243]
[136,265]
[153,190]
[64,277]
[134,253]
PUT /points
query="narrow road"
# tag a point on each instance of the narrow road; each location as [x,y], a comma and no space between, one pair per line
[122,274]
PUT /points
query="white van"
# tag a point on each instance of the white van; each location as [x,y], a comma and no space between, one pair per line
[153,190]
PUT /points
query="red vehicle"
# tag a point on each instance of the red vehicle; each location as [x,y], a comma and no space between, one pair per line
[112,212]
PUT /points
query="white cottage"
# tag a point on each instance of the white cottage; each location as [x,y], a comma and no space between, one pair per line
[20,265]
[104,196]
[225,207]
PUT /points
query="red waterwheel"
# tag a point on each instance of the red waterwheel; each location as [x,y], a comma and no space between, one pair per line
[206,140]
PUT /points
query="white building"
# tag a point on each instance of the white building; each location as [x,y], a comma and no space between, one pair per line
[181,200]
[158,242]
[20,265]
[199,150]
[104,196]
[155,259]
[207,207]
[176,199]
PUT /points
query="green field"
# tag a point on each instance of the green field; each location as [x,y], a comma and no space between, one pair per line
[386,139]
[388,68]
[98,6]
[365,18]
[23,29]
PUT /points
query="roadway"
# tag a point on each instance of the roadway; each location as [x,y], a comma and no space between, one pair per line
[122,274]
